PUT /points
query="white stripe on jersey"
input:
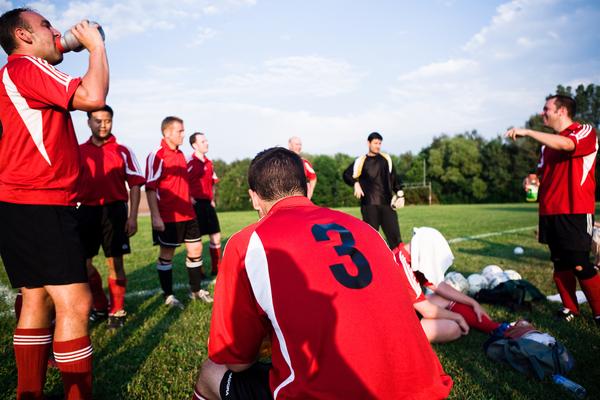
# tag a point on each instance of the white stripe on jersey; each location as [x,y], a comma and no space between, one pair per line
[153,175]
[257,268]
[588,163]
[136,167]
[52,72]
[308,167]
[410,275]
[583,132]
[31,118]
[541,163]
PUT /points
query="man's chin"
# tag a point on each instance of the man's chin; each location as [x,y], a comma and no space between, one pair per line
[56,59]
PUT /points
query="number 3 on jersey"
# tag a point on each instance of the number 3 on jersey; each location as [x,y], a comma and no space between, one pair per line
[364,276]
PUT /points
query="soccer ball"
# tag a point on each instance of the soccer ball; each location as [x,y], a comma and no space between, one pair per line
[497,279]
[457,281]
[476,283]
[490,270]
[512,274]
[518,251]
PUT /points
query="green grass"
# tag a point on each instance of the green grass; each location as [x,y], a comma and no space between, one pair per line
[157,353]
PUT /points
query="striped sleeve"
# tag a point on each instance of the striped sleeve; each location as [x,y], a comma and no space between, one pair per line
[154,165]
[42,85]
[413,287]
[584,139]
[133,172]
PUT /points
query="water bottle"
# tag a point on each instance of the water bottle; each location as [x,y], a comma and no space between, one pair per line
[570,386]
[68,42]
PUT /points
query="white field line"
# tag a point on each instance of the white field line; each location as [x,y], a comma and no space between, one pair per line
[152,292]
[489,234]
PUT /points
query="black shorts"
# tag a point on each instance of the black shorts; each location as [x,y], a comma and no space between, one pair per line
[250,384]
[207,217]
[176,233]
[40,245]
[104,225]
[567,231]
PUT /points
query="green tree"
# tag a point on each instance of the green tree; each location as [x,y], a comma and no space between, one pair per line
[233,188]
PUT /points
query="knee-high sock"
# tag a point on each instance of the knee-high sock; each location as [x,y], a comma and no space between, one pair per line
[100,302]
[215,257]
[486,325]
[591,288]
[165,276]
[195,274]
[74,360]
[116,289]
[32,349]
[567,284]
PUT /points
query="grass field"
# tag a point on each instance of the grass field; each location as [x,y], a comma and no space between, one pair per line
[157,353]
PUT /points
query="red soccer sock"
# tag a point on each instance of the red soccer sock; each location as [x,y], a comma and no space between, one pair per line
[591,288]
[32,349]
[215,257]
[486,325]
[567,285]
[116,289]
[18,305]
[100,302]
[74,360]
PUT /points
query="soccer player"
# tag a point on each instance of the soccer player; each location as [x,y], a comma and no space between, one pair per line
[324,287]
[39,165]
[567,201]
[295,145]
[173,217]
[374,179]
[202,188]
[447,314]
[105,168]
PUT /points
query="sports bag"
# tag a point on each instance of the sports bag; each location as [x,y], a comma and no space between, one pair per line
[514,294]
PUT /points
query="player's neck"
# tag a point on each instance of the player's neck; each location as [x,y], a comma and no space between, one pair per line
[563,124]
[99,141]
[200,155]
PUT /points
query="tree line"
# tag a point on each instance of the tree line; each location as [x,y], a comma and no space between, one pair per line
[462,168]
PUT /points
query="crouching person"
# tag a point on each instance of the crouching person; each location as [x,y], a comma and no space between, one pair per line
[323,286]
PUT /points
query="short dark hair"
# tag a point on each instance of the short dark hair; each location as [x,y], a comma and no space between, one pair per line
[276,173]
[373,136]
[567,102]
[193,137]
[168,121]
[9,21]
[106,108]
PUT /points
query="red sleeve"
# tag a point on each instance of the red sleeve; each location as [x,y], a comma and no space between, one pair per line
[584,139]
[403,260]
[41,84]
[309,171]
[238,325]
[133,172]
[154,165]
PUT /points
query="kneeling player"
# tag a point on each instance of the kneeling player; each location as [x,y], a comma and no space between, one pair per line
[324,287]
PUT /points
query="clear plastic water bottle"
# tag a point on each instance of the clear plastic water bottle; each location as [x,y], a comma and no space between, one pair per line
[576,389]
[68,42]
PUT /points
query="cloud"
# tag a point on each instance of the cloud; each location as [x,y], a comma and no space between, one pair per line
[203,34]
[441,69]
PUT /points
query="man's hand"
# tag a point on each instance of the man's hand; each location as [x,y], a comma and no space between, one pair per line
[479,311]
[213,203]
[157,223]
[514,133]
[358,192]
[464,327]
[88,36]
[131,226]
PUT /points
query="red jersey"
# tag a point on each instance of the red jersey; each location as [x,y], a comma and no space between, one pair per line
[166,173]
[39,156]
[104,171]
[325,287]
[308,170]
[202,177]
[402,257]
[568,183]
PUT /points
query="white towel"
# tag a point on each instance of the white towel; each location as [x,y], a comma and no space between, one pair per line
[430,254]
[556,297]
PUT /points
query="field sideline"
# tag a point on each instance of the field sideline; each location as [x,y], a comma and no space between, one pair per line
[157,353]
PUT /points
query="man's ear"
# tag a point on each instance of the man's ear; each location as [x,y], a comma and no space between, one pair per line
[23,34]
[254,199]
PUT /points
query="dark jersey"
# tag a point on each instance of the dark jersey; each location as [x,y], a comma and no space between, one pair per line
[377,177]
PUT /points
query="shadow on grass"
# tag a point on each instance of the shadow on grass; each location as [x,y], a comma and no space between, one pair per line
[489,248]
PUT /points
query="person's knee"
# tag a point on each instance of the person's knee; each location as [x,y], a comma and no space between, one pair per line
[194,249]
[73,300]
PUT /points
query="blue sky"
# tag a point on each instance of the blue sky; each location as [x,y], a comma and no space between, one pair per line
[252,73]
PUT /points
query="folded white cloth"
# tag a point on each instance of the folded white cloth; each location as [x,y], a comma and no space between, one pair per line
[430,254]
[556,297]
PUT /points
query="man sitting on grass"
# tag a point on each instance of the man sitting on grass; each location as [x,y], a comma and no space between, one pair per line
[324,287]
[447,314]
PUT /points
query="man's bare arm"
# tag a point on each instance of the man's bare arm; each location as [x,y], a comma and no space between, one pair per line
[550,140]
[157,222]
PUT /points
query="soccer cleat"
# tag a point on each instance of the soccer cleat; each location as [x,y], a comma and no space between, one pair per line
[117,320]
[564,314]
[201,295]
[172,302]
[98,315]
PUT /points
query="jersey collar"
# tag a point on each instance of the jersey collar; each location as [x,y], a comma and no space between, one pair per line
[165,146]
[111,139]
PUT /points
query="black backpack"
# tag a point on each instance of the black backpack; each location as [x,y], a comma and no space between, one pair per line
[514,294]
